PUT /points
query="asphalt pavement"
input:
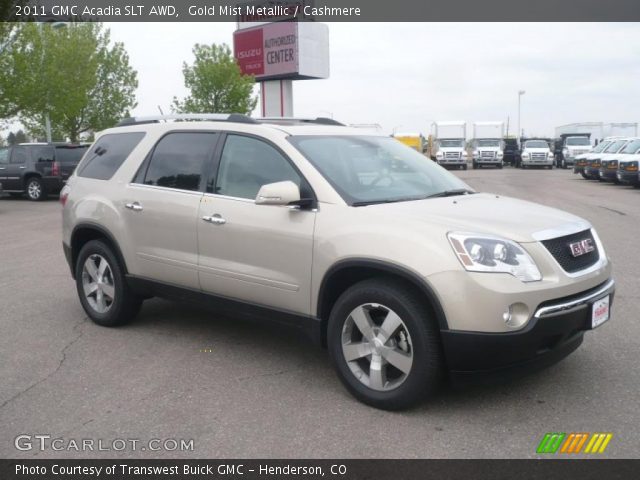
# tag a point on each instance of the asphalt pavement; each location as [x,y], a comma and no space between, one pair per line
[239,389]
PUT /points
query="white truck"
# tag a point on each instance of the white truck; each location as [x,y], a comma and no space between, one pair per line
[536,153]
[599,130]
[450,140]
[488,145]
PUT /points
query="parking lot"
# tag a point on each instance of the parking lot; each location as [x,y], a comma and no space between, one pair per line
[241,389]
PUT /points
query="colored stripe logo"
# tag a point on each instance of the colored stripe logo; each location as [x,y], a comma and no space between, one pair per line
[554,442]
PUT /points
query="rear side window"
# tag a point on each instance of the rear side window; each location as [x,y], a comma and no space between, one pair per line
[19,155]
[4,155]
[108,153]
[42,154]
[70,155]
[179,160]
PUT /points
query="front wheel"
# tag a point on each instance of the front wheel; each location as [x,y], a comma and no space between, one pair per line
[464,167]
[102,287]
[475,165]
[385,345]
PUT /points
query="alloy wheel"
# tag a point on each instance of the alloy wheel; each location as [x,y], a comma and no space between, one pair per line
[377,347]
[98,284]
[34,190]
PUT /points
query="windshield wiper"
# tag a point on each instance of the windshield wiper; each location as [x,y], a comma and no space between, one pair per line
[386,200]
[451,193]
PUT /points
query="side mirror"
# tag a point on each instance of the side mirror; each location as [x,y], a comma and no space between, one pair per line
[279,193]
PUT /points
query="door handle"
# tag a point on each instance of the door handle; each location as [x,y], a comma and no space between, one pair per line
[135,206]
[22,167]
[216,218]
[3,168]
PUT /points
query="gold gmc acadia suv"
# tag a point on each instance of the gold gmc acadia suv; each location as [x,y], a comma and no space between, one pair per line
[399,268]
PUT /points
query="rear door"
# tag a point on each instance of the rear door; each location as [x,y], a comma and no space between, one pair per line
[15,169]
[161,207]
[5,153]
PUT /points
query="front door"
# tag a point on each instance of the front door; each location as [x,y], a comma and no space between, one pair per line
[255,253]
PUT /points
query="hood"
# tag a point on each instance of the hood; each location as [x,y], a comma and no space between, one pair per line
[450,149]
[507,217]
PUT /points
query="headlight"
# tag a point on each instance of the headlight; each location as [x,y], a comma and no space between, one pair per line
[475,154]
[500,154]
[482,253]
[439,155]
[525,155]
[565,151]
[550,155]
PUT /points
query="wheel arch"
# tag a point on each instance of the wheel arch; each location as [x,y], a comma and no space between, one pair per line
[87,231]
[345,273]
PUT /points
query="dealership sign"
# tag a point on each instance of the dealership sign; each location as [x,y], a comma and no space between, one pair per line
[292,50]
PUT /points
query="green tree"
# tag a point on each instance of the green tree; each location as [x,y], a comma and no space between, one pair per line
[74,73]
[16,138]
[216,83]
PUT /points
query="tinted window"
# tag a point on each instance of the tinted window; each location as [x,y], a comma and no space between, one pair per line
[4,155]
[70,155]
[19,155]
[42,154]
[179,160]
[247,164]
[107,154]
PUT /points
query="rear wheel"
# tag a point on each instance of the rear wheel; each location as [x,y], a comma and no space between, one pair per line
[35,189]
[384,344]
[102,287]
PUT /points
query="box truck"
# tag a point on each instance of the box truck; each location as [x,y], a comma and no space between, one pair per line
[449,144]
[488,147]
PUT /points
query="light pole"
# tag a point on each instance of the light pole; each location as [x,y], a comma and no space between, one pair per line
[520,93]
[55,25]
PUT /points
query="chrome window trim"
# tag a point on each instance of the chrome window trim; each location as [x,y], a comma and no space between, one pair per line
[166,189]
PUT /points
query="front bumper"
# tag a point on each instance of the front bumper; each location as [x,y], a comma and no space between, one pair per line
[540,163]
[628,178]
[555,331]
[608,174]
[592,172]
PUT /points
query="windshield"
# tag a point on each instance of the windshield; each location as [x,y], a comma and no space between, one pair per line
[489,143]
[452,143]
[536,144]
[601,146]
[615,146]
[578,141]
[632,147]
[367,169]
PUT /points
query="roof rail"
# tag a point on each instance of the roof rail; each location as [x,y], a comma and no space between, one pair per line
[294,120]
[211,117]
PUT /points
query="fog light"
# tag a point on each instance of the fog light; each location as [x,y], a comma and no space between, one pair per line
[516,315]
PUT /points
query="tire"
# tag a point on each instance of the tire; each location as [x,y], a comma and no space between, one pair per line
[499,166]
[475,165]
[550,167]
[584,175]
[415,335]
[119,305]
[35,189]
[464,167]
[564,164]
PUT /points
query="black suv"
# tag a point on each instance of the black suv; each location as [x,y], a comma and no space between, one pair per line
[511,152]
[38,169]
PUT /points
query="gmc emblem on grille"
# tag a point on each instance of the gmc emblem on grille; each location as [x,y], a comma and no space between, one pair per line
[581,247]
